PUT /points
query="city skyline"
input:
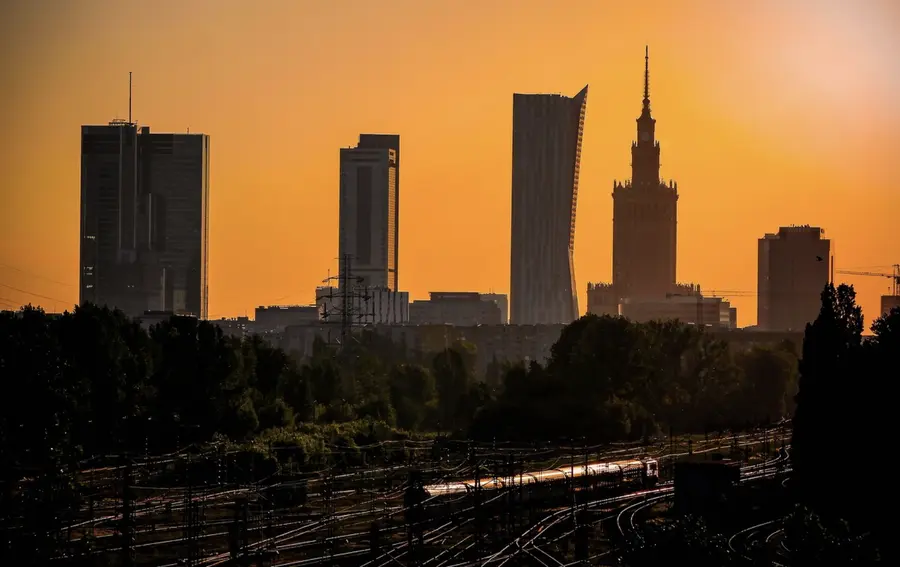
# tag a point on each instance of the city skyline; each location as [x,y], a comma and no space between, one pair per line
[750,159]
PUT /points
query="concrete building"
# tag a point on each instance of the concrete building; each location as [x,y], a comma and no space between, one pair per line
[794,267]
[455,308]
[645,216]
[710,312]
[365,306]
[144,219]
[277,317]
[236,327]
[368,230]
[502,302]
[602,299]
[889,302]
[547,134]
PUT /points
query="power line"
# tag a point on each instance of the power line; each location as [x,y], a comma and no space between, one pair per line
[26,292]
[34,275]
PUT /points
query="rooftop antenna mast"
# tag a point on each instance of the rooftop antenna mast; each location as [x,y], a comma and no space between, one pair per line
[129,97]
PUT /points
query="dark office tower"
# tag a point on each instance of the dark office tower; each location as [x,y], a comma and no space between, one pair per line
[794,266]
[175,189]
[110,273]
[368,213]
[389,142]
[144,219]
[547,131]
[644,216]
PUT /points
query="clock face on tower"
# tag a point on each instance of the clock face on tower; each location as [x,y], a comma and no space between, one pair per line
[645,136]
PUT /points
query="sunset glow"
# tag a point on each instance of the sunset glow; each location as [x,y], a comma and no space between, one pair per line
[769,113]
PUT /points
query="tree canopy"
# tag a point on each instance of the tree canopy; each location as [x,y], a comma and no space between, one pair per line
[610,379]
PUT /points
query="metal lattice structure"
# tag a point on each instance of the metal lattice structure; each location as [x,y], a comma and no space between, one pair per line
[348,306]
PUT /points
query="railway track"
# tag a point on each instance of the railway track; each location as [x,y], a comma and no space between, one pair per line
[626,519]
[333,529]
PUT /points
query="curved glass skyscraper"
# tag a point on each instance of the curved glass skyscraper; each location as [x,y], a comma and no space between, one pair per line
[547,133]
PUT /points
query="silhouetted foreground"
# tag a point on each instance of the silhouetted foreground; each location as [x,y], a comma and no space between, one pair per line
[839,452]
[94,383]
[844,407]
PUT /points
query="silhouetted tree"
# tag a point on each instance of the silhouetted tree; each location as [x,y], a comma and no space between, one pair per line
[825,417]
[769,377]
[413,392]
[453,379]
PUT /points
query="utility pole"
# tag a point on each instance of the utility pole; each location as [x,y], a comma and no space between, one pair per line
[328,489]
[476,493]
[127,530]
[191,518]
[586,480]
[572,475]
[348,307]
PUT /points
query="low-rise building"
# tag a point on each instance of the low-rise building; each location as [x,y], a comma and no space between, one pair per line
[277,317]
[889,302]
[459,308]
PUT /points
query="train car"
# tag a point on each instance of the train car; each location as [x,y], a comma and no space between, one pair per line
[645,471]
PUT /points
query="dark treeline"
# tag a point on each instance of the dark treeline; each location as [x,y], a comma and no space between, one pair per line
[609,379]
[93,382]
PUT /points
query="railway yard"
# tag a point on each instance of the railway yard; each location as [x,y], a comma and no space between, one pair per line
[434,503]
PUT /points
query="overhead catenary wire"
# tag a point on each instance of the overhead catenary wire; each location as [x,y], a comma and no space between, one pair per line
[26,292]
[36,275]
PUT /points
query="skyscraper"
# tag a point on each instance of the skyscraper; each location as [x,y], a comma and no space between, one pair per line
[547,132]
[644,216]
[794,266]
[144,219]
[389,142]
[110,274]
[175,185]
[368,232]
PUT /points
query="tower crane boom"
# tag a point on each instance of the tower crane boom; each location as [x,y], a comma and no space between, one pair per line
[894,276]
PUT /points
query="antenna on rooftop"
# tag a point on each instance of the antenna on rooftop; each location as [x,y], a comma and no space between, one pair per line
[129,97]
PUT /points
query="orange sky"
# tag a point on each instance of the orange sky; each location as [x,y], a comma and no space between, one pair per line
[769,113]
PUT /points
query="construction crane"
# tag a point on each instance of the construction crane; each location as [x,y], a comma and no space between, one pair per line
[725,293]
[894,276]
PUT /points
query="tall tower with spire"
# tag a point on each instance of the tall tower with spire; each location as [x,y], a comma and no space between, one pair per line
[644,216]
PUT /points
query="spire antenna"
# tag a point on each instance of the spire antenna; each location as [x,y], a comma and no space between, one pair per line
[647,76]
[129,97]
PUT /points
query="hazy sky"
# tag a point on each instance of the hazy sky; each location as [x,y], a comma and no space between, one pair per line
[769,113]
